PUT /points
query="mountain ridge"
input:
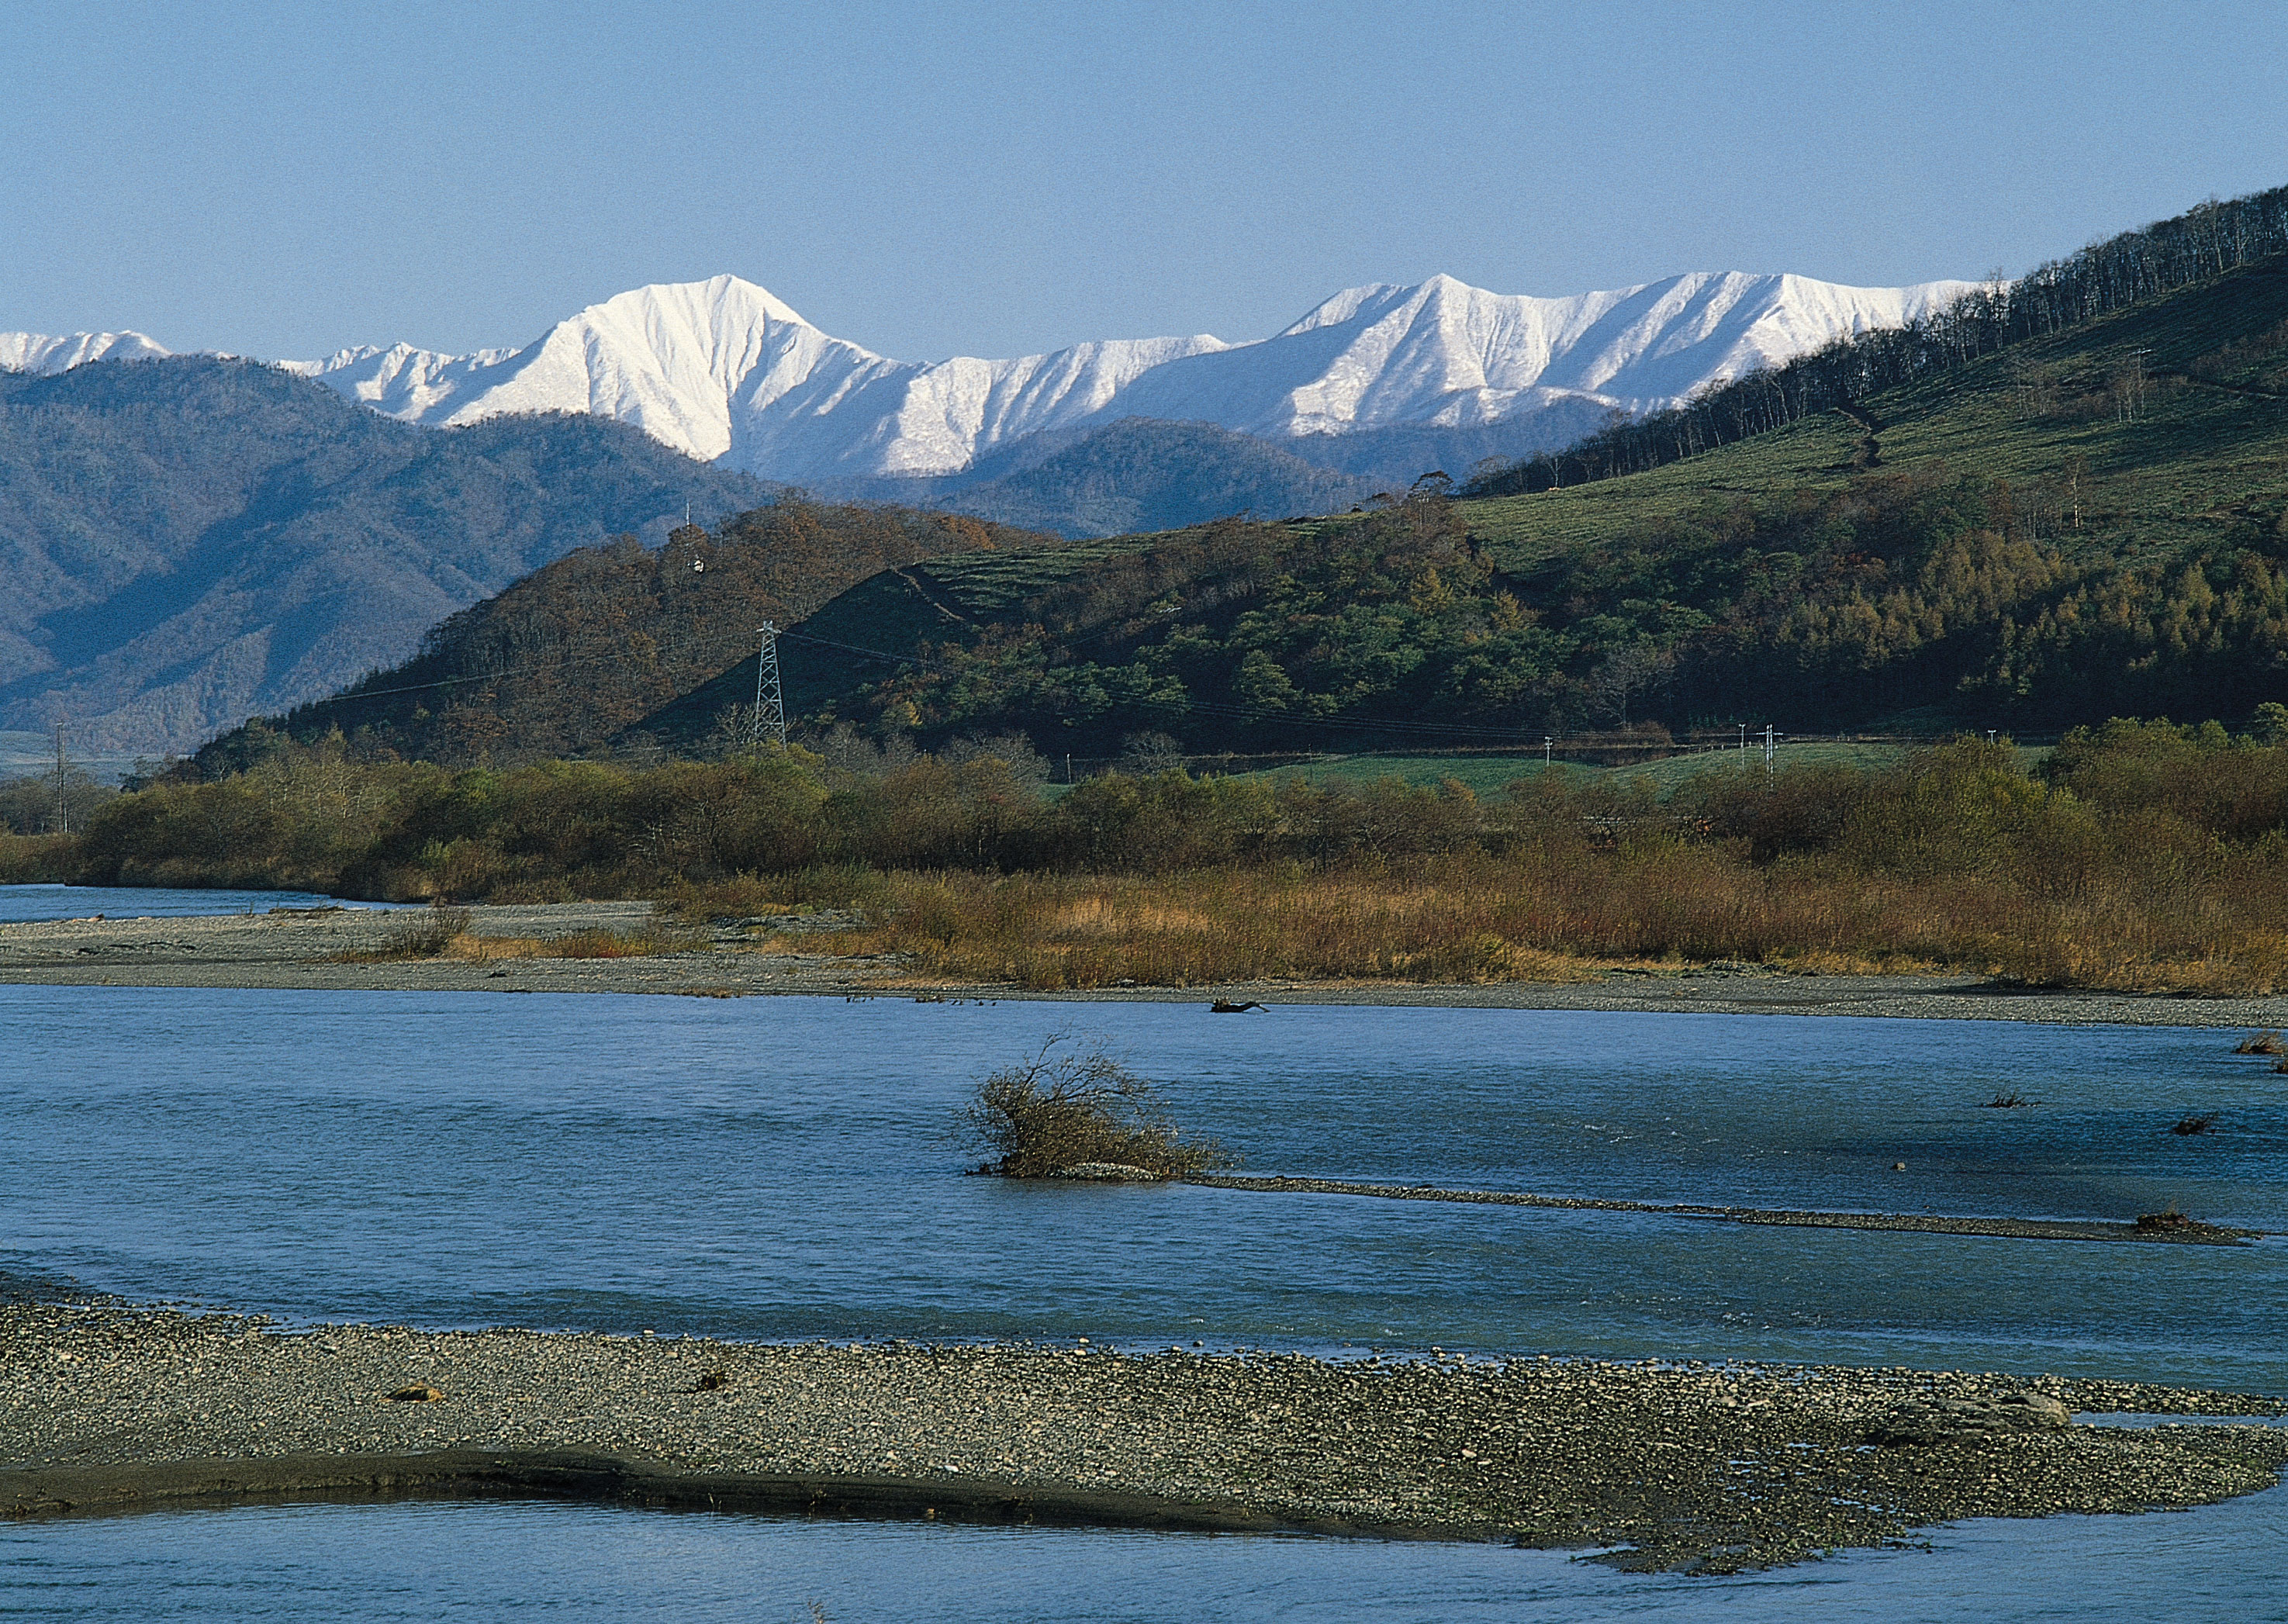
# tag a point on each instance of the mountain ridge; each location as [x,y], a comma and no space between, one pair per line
[725,371]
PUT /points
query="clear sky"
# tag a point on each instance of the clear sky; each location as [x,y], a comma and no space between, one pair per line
[954,178]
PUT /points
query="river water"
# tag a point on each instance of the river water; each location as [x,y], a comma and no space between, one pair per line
[782,1169]
[23,902]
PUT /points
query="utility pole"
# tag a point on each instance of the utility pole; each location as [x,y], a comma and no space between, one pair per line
[769,722]
[63,807]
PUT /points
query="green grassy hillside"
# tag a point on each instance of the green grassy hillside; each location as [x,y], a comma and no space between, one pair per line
[2215,411]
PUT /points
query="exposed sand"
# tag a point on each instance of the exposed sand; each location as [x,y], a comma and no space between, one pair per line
[299,950]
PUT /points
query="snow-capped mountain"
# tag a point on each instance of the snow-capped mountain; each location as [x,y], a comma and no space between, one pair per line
[1446,354]
[725,372]
[38,352]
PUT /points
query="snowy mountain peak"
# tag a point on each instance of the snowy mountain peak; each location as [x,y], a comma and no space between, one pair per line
[38,352]
[725,371]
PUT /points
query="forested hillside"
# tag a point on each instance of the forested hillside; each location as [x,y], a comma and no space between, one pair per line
[190,540]
[2087,523]
[568,658]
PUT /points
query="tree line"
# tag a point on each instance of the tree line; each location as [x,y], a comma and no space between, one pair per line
[2143,855]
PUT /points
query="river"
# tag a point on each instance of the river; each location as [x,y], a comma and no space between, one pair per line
[784,1168]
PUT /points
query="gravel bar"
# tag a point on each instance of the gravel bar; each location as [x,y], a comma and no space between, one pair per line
[1686,1466]
[2179,1232]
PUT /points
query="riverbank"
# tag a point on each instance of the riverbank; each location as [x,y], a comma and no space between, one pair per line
[105,1408]
[331,950]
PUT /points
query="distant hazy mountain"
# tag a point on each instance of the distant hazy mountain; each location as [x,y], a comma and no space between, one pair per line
[187,541]
[724,372]
[1143,474]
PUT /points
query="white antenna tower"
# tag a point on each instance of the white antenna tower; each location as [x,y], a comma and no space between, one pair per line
[770,705]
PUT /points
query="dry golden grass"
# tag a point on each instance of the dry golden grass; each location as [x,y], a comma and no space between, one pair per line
[446,933]
[591,944]
[1551,916]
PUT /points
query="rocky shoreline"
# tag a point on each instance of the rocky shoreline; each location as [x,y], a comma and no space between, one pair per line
[1691,1466]
[317,949]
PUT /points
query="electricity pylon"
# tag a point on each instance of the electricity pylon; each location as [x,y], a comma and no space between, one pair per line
[770,705]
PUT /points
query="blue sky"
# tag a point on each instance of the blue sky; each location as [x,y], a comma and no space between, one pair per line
[280,180]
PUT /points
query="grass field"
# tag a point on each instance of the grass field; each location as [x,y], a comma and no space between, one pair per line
[2210,433]
[1489,774]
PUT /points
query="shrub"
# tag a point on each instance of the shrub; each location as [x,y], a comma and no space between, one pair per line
[1072,1103]
[424,933]
[28,860]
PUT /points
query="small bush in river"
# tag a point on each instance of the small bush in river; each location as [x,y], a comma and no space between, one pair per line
[1072,1103]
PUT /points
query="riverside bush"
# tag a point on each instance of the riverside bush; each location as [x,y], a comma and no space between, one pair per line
[1071,1105]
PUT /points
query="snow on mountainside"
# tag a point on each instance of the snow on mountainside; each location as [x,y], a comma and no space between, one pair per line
[725,372]
[1448,355]
[37,352]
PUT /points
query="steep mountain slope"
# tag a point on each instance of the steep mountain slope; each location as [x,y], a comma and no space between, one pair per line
[2087,523]
[190,540]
